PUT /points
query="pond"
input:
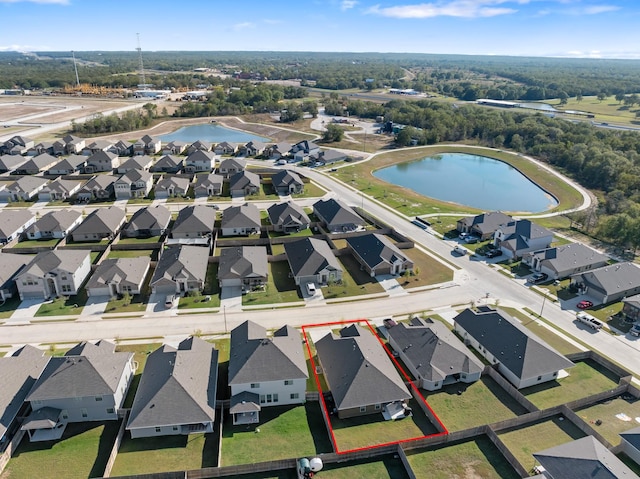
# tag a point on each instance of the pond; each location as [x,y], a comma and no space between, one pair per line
[477,181]
[212,134]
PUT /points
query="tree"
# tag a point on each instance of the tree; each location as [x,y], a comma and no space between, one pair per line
[619,97]
[564,97]
[579,97]
[601,96]
[333,133]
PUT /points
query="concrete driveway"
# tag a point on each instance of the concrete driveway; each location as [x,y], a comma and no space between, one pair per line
[27,309]
[391,285]
[156,304]
[231,298]
[95,306]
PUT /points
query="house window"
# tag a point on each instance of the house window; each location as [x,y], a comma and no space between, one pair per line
[63,276]
[175,428]
[98,398]
[255,385]
[363,408]
[66,288]
[539,378]
[85,413]
[288,382]
[275,398]
[294,396]
[377,407]
[158,429]
[110,410]
[263,399]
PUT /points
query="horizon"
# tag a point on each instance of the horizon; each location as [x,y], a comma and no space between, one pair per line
[518,28]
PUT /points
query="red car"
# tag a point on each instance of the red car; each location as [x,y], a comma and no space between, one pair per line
[584,304]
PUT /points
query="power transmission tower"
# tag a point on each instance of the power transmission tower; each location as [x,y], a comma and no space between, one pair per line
[141,65]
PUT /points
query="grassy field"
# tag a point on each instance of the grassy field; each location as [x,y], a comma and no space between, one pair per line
[427,270]
[355,282]
[585,378]
[411,203]
[9,307]
[457,411]
[606,412]
[280,288]
[473,459]
[83,452]
[152,239]
[370,430]
[526,441]
[608,110]
[166,453]
[285,431]
[211,289]
[386,468]
[37,243]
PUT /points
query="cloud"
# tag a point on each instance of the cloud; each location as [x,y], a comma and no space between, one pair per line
[243,26]
[42,2]
[597,9]
[21,48]
[454,8]
[348,4]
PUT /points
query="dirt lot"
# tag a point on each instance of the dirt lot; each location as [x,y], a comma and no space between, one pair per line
[9,112]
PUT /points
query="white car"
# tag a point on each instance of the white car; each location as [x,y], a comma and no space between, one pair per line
[457,249]
[311,289]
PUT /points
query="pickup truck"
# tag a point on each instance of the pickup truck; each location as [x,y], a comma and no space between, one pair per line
[589,320]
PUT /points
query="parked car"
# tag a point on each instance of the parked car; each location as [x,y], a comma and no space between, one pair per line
[311,289]
[584,304]
[635,330]
[457,249]
[492,253]
[471,239]
[589,320]
[462,236]
[539,277]
[169,300]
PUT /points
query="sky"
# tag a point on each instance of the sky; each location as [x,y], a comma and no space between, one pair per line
[558,28]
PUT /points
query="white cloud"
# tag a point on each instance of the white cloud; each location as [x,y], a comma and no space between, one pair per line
[596,9]
[454,8]
[348,4]
[243,26]
[42,2]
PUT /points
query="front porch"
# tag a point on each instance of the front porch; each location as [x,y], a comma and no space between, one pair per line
[44,425]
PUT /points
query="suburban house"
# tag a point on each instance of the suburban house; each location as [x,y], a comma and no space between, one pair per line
[148,222]
[17,145]
[168,164]
[147,145]
[55,224]
[230,166]
[305,147]
[180,269]
[140,162]
[23,189]
[241,220]
[69,165]
[133,184]
[519,237]
[208,185]
[20,371]
[225,148]
[564,261]
[170,186]
[88,383]
[584,458]
[278,150]
[378,255]
[40,148]
[98,146]
[121,148]
[115,276]
[484,225]
[433,354]
[631,443]
[631,307]
[12,264]
[288,217]
[100,187]
[200,160]
[245,266]
[195,221]
[10,162]
[265,370]
[287,182]
[312,261]
[175,147]
[177,391]
[609,283]
[70,145]
[54,273]
[522,357]
[329,157]
[199,145]
[101,223]
[37,164]
[337,217]
[102,161]
[13,223]
[359,373]
[59,190]
[253,148]
[244,183]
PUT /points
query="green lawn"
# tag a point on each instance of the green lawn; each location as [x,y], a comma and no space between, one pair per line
[585,378]
[427,270]
[311,190]
[385,468]
[355,282]
[280,288]
[477,458]
[372,429]
[152,239]
[134,304]
[130,253]
[458,411]
[285,431]
[606,412]
[526,441]
[82,452]
[211,289]
[61,306]
[141,352]
[8,307]
[299,234]
[165,453]
[37,243]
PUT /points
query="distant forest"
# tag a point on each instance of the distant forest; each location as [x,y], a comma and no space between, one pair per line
[460,76]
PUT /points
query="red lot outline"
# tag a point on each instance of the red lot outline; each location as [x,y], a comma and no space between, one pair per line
[395,361]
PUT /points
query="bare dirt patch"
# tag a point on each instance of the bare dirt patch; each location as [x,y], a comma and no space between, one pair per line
[10,112]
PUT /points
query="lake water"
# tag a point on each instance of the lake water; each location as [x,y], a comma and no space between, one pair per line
[212,134]
[470,180]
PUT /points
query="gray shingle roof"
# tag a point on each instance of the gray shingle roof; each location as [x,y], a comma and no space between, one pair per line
[12,264]
[244,179]
[178,386]
[568,256]
[102,220]
[210,179]
[614,278]
[284,178]
[10,221]
[138,162]
[195,219]
[40,163]
[27,184]
[59,220]
[256,357]
[9,162]
[375,249]
[119,270]
[243,262]
[518,349]
[60,186]
[434,351]
[188,262]
[244,216]
[287,213]
[583,458]
[99,182]
[168,162]
[180,185]
[85,370]
[309,256]
[18,374]
[232,163]
[150,218]
[70,163]
[64,259]
[358,370]
[487,222]
[335,212]
[632,436]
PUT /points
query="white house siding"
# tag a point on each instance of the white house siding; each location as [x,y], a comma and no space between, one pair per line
[19,231]
[275,387]
[82,409]
[322,278]
[630,451]
[234,231]
[39,289]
